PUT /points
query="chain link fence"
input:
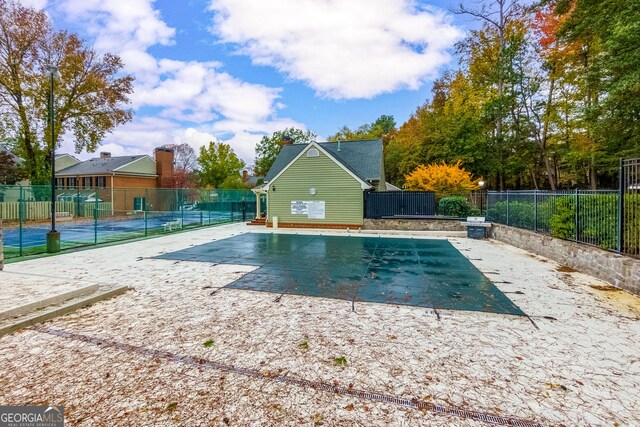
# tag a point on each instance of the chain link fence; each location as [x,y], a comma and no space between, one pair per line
[92,216]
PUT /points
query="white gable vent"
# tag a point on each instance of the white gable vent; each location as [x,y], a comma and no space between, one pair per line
[313,152]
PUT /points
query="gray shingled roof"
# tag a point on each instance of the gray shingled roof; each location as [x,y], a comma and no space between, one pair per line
[363,158]
[252,180]
[98,165]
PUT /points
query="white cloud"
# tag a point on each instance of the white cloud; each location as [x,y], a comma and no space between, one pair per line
[341,48]
[36,4]
[196,101]
[199,92]
[145,133]
[118,25]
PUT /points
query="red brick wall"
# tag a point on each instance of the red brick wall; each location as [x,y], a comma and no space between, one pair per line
[164,168]
[127,188]
[132,182]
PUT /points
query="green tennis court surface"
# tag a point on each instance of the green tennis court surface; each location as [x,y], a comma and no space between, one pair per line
[416,272]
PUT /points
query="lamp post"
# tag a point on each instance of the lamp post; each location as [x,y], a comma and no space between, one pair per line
[482,195]
[53,236]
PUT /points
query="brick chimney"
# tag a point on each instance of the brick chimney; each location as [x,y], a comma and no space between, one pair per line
[164,166]
[286,140]
[105,155]
[245,175]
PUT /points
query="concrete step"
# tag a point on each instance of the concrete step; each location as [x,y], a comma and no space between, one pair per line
[52,300]
[55,306]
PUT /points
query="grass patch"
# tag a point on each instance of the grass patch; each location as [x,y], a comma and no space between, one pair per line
[340,361]
[208,343]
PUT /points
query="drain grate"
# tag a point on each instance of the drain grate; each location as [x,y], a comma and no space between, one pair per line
[299,382]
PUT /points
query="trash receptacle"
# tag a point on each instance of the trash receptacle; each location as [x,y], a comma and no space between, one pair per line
[476,232]
[476,227]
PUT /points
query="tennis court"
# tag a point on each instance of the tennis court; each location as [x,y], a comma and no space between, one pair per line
[416,272]
[101,230]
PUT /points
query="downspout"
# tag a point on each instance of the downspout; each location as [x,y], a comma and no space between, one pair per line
[266,192]
[112,201]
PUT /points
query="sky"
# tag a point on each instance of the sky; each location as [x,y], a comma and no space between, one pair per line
[235,70]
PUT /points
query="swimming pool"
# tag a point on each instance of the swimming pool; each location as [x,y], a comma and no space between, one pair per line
[416,272]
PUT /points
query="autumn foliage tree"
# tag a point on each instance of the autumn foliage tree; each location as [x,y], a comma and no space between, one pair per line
[443,179]
[546,95]
[91,93]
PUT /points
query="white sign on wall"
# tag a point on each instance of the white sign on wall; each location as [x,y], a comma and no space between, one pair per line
[315,209]
[298,208]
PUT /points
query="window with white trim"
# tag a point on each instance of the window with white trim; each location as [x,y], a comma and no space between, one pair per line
[313,152]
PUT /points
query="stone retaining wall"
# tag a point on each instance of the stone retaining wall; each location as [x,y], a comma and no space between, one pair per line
[619,270]
[414,224]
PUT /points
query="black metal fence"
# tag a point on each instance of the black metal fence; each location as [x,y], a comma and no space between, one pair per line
[629,211]
[608,219]
[478,199]
[399,203]
[585,216]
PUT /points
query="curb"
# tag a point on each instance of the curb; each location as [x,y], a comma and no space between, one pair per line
[61,310]
[46,302]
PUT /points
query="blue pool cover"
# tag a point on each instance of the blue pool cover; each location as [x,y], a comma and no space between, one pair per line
[417,272]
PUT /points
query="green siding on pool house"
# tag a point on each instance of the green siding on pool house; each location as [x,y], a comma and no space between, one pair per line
[341,191]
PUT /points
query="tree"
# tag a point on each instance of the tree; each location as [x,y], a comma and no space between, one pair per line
[546,95]
[184,179]
[233,182]
[90,92]
[492,41]
[9,171]
[185,163]
[449,128]
[219,164]
[384,124]
[443,179]
[269,147]
[608,64]
[184,157]
[382,127]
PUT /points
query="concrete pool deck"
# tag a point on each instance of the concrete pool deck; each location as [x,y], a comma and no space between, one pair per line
[140,358]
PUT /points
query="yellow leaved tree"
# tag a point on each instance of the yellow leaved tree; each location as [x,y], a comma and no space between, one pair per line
[443,179]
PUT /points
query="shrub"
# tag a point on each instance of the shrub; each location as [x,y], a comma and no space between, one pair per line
[632,224]
[562,222]
[517,214]
[442,179]
[456,206]
[595,223]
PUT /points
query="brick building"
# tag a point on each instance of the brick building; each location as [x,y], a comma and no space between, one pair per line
[125,181]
